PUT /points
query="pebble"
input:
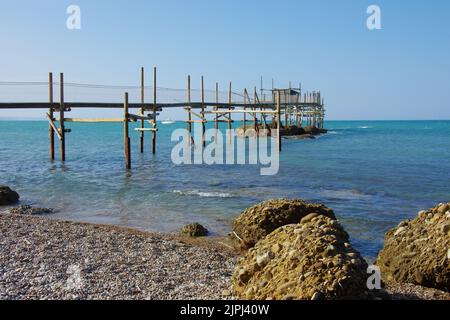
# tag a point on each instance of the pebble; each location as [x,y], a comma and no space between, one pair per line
[316,296]
[399,231]
[226,293]
[286,285]
[276,248]
[309,217]
[422,213]
[264,259]
[443,208]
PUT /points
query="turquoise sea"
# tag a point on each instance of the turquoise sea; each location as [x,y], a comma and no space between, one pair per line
[372,173]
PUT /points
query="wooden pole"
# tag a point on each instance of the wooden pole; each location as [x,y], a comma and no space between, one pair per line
[126,137]
[279,120]
[216,118]
[51,131]
[229,108]
[61,118]
[230,101]
[255,119]
[142,112]
[203,115]
[285,110]
[189,110]
[154,112]
[262,90]
[245,115]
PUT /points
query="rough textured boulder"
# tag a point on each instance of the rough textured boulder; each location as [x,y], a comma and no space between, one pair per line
[8,196]
[418,251]
[194,230]
[260,220]
[310,260]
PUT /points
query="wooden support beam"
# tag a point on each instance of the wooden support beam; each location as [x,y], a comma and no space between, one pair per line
[154,112]
[196,121]
[61,118]
[145,129]
[198,115]
[257,101]
[279,120]
[51,130]
[138,117]
[126,137]
[245,113]
[203,115]
[93,120]
[189,111]
[147,107]
[229,105]
[216,118]
[287,99]
[141,135]
[255,119]
[53,126]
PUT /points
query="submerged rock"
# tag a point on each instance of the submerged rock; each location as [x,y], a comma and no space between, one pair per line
[285,131]
[417,251]
[258,221]
[314,130]
[31,211]
[307,261]
[8,196]
[252,131]
[194,230]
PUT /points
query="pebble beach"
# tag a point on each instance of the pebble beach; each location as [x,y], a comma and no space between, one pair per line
[45,258]
[42,258]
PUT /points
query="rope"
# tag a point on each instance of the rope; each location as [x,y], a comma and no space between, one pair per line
[104,86]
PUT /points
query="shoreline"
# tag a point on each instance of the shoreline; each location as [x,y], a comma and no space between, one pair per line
[48,258]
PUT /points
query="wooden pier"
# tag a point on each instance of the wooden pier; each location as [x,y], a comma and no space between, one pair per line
[285,108]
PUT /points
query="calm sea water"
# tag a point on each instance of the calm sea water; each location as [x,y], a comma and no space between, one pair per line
[373,174]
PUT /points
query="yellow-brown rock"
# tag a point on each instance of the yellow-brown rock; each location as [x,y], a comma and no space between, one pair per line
[310,260]
[418,251]
[258,221]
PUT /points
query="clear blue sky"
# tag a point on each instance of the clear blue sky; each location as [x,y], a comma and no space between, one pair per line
[399,72]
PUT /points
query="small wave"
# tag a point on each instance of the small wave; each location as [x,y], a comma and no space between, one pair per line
[333,132]
[204,194]
[365,127]
[345,194]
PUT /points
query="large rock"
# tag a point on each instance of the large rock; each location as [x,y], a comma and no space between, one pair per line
[292,131]
[311,260]
[418,251]
[194,230]
[260,220]
[8,196]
